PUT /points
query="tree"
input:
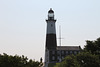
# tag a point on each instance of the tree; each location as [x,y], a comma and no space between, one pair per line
[93,46]
[86,59]
[83,59]
[17,61]
[69,61]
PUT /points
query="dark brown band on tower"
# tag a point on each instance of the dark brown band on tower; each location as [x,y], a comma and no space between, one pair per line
[51,42]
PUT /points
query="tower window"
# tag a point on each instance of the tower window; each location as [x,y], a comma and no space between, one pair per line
[51,25]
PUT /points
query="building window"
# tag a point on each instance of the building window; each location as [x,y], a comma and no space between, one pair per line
[70,52]
[58,52]
[58,57]
[75,52]
[62,52]
[78,51]
[66,52]
[53,58]
[62,57]
[53,52]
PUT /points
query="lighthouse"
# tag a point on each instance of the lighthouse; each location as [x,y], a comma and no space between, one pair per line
[51,42]
[54,53]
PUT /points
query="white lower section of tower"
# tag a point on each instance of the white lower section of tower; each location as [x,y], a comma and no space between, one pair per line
[51,27]
[46,58]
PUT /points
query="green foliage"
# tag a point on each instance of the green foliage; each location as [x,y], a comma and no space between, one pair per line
[89,57]
[83,59]
[58,65]
[69,61]
[86,59]
[51,64]
[93,46]
[17,61]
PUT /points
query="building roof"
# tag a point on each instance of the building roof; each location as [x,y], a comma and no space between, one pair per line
[68,48]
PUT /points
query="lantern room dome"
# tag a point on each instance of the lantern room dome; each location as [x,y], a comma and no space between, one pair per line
[50,11]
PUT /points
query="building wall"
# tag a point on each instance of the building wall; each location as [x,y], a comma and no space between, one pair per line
[56,55]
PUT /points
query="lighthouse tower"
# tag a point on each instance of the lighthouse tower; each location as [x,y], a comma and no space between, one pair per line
[51,43]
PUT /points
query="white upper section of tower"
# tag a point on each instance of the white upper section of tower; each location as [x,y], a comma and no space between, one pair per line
[51,27]
[51,22]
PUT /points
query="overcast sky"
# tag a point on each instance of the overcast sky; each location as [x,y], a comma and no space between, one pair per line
[23,26]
